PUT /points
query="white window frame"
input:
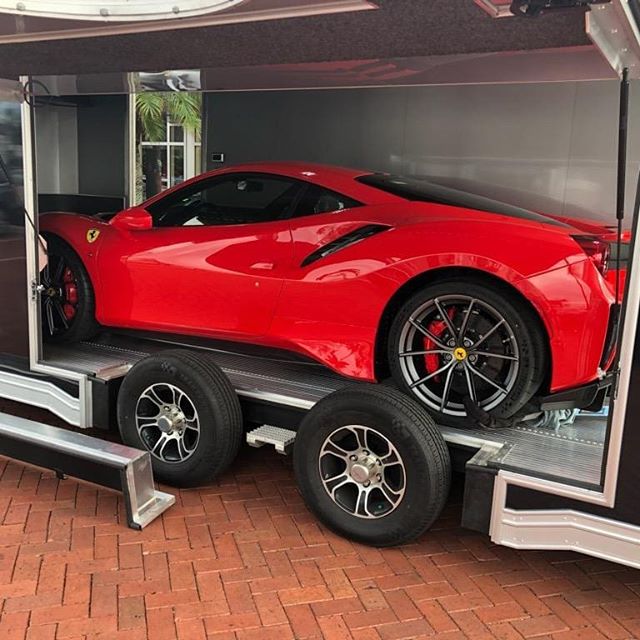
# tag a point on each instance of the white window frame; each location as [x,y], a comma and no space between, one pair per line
[190,147]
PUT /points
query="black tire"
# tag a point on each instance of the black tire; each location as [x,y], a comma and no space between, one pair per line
[525,332]
[83,325]
[211,395]
[418,442]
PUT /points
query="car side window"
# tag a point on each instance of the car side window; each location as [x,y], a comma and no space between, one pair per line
[227,200]
[317,199]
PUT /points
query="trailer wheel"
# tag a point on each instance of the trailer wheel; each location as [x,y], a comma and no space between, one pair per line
[181,407]
[372,465]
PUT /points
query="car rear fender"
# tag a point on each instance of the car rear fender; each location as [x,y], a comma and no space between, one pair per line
[566,298]
[487,271]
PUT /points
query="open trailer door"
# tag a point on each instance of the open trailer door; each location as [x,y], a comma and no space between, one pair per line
[24,256]
[13,315]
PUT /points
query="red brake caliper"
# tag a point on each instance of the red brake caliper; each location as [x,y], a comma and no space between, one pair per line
[433,361]
[70,294]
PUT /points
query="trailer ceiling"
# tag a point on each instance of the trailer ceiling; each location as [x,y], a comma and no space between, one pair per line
[397,29]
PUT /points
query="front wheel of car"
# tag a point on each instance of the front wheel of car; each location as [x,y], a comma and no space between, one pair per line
[67,300]
[461,341]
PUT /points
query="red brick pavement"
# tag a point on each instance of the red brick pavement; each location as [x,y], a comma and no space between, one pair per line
[243,559]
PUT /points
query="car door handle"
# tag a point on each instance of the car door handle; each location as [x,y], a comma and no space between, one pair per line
[263,266]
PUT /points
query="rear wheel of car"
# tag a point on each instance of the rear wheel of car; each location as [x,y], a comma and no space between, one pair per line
[461,340]
[67,300]
[372,465]
[181,407]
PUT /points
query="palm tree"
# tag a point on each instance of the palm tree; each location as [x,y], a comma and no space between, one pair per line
[152,109]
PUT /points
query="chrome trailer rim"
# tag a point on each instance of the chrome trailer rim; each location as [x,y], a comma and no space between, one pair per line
[362,472]
[168,423]
[473,353]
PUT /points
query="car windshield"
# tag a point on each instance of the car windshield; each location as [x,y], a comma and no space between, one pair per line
[424,191]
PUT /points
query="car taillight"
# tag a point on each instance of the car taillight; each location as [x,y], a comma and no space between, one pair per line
[597,249]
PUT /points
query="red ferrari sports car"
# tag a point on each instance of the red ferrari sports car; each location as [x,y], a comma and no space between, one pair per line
[461,299]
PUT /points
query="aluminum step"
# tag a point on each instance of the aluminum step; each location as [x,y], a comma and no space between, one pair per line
[107,464]
[281,439]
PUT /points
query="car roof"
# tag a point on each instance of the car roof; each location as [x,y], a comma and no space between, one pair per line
[344,180]
[293,168]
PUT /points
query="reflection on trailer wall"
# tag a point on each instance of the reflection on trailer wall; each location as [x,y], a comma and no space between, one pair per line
[102,126]
[549,147]
[81,145]
[13,300]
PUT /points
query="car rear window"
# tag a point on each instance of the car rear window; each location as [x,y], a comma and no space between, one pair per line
[417,190]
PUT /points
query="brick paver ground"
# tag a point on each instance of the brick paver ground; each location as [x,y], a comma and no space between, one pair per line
[243,559]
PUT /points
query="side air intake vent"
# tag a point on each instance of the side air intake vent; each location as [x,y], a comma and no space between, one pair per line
[344,241]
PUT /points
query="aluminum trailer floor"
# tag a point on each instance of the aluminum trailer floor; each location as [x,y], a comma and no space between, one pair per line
[573,453]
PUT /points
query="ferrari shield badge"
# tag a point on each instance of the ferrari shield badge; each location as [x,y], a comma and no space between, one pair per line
[92,235]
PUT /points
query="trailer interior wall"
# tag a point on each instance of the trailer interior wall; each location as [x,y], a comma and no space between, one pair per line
[550,147]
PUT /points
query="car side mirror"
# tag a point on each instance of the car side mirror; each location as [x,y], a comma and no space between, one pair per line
[134,219]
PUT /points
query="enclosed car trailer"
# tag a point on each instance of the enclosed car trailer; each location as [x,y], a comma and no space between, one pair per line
[552,484]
